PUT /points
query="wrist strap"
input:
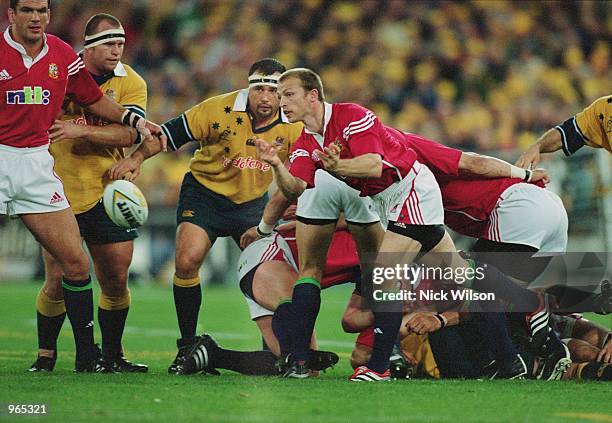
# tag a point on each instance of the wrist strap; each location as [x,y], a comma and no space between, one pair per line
[130,118]
[442,320]
[528,175]
[263,229]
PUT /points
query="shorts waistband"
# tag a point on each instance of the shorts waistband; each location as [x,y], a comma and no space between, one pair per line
[23,150]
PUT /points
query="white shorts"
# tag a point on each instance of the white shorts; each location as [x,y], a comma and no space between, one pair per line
[28,183]
[529,215]
[330,197]
[415,200]
[260,251]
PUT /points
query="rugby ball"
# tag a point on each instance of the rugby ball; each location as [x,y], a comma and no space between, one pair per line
[125,204]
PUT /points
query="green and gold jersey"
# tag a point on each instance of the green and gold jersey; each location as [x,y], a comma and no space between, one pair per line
[81,164]
[592,127]
[226,161]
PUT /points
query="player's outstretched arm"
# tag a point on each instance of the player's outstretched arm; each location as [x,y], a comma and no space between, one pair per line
[113,135]
[130,166]
[364,166]
[547,143]
[290,186]
[110,110]
[489,167]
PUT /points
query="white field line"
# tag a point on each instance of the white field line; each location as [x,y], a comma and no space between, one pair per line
[173,333]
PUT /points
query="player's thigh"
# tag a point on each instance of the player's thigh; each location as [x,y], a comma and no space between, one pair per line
[59,234]
[444,254]
[367,236]
[313,243]
[53,276]
[273,282]
[192,245]
[111,263]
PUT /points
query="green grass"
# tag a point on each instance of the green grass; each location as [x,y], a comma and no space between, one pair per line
[157,396]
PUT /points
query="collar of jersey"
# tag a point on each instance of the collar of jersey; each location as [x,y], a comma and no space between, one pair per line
[327,117]
[26,59]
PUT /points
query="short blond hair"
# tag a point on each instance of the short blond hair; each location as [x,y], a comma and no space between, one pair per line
[309,79]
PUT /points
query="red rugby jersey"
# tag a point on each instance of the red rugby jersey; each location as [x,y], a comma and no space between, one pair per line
[468,202]
[357,131]
[32,91]
[342,258]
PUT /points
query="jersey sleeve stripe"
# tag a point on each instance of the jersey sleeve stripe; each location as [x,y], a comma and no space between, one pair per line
[178,131]
[76,70]
[136,109]
[356,124]
[355,130]
[578,130]
[186,125]
[298,153]
[173,146]
[572,138]
[563,140]
[78,62]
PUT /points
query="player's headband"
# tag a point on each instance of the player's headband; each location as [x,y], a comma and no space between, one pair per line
[110,35]
[258,79]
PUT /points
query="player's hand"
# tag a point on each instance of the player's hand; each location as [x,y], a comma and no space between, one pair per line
[128,168]
[290,213]
[422,323]
[605,354]
[63,129]
[249,236]
[330,156]
[540,175]
[530,158]
[148,129]
[267,152]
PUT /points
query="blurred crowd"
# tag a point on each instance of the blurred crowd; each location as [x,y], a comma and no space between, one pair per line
[478,75]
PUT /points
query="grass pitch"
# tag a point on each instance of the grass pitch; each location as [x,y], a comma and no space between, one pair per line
[157,396]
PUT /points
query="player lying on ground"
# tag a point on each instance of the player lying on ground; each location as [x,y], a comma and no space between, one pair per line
[350,142]
[84,147]
[267,269]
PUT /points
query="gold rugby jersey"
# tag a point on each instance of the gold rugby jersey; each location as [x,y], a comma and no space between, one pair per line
[81,164]
[592,127]
[226,162]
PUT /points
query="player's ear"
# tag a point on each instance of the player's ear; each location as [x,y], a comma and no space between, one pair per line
[11,16]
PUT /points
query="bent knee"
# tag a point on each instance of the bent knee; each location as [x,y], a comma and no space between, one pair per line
[188,265]
[76,267]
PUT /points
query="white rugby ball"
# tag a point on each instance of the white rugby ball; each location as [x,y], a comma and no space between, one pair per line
[125,204]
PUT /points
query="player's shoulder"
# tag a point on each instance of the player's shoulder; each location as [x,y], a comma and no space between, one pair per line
[132,76]
[347,113]
[57,45]
[601,104]
[226,99]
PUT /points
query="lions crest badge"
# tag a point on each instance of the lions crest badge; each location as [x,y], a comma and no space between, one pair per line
[53,71]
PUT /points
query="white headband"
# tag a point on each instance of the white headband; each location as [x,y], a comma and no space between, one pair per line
[257,79]
[110,35]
